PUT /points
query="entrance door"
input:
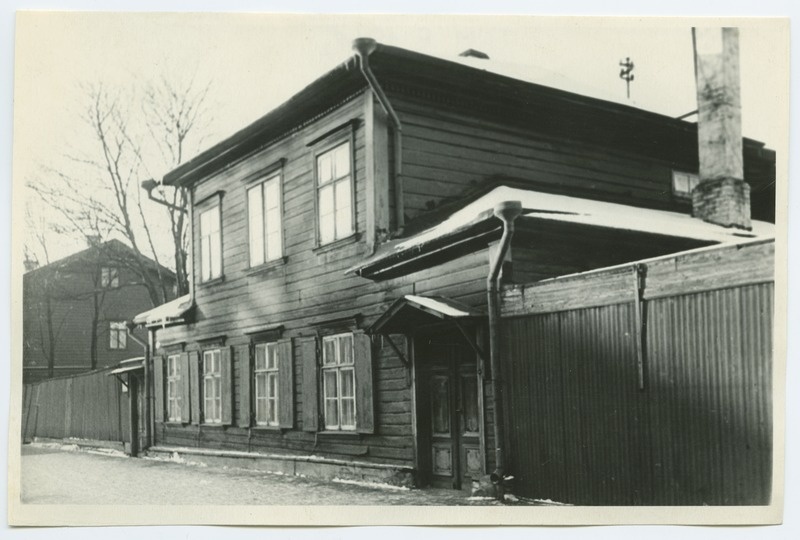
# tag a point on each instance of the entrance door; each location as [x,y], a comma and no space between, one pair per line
[450,414]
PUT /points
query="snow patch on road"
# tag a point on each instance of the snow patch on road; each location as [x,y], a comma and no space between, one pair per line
[174,457]
[550,502]
[375,485]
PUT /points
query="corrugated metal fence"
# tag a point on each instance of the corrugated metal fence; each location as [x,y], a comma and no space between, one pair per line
[581,427]
[87,406]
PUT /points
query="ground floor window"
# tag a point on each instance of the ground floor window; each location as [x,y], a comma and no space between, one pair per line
[338,382]
[212,387]
[173,388]
[266,383]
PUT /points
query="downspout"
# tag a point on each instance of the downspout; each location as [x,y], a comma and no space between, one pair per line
[507,212]
[363,48]
[149,424]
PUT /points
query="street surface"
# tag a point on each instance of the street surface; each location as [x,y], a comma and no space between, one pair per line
[55,476]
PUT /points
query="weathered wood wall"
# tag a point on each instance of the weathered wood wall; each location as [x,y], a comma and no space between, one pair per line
[699,431]
[87,406]
[309,288]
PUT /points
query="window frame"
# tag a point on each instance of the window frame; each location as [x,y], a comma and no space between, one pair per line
[215,206]
[338,367]
[269,373]
[118,329]
[109,277]
[174,381]
[330,144]
[213,377]
[271,175]
[693,180]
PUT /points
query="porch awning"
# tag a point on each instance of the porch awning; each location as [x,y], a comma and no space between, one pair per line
[411,311]
[125,366]
[169,313]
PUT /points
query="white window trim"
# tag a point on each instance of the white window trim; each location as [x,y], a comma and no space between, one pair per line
[120,331]
[330,148]
[692,180]
[213,269]
[262,186]
[173,388]
[270,350]
[212,379]
[339,368]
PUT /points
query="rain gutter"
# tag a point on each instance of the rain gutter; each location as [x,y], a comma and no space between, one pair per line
[363,48]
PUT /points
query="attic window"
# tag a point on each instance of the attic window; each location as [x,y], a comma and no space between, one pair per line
[683,183]
[109,277]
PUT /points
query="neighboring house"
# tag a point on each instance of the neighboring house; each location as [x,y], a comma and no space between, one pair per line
[75,310]
[341,247]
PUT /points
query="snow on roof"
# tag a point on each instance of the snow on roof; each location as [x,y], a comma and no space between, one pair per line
[564,208]
[165,313]
[545,77]
[445,306]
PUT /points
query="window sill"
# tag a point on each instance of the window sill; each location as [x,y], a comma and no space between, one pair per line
[175,423]
[352,239]
[213,426]
[266,267]
[268,429]
[344,434]
[212,282]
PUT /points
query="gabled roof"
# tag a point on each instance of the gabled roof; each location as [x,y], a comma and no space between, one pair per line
[413,310]
[476,221]
[112,251]
[495,96]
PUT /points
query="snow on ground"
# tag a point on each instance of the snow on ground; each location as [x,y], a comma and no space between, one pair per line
[52,476]
[372,485]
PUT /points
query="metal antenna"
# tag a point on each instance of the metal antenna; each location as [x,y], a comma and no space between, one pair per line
[626,74]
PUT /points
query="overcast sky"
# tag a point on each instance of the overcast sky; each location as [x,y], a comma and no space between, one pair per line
[258,61]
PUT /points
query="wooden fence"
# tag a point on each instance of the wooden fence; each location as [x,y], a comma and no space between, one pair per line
[645,384]
[87,406]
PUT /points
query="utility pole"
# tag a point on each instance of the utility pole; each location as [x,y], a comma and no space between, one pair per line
[626,74]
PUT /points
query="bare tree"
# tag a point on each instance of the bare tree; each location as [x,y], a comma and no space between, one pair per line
[96,192]
[173,113]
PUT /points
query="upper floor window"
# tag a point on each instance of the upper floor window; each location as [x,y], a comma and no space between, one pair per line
[210,244]
[173,388]
[109,277]
[117,335]
[335,199]
[212,387]
[683,183]
[338,382]
[264,217]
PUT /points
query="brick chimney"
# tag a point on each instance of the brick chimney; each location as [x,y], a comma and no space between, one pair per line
[722,196]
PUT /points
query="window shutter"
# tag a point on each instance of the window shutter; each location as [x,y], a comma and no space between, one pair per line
[365,407]
[245,378]
[285,384]
[226,382]
[194,385]
[185,389]
[158,386]
[310,384]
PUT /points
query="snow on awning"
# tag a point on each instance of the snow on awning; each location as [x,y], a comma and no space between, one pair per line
[566,209]
[170,313]
[412,310]
[125,366]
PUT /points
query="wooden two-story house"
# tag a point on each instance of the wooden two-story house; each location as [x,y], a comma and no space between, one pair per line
[75,309]
[341,246]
